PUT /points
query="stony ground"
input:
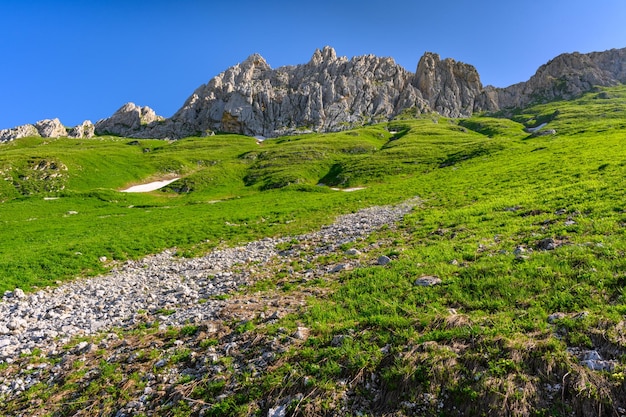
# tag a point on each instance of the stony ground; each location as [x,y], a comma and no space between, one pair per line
[193,310]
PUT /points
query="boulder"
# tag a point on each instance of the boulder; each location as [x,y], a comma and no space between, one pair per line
[547,244]
[546,132]
[301,333]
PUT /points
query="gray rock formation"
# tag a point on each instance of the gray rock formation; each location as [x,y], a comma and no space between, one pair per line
[51,128]
[48,128]
[127,120]
[565,77]
[329,93]
[332,93]
[449,87]
[84,130]
[7,135]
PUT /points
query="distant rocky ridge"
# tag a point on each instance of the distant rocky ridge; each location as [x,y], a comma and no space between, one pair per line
[48,128]
[564,77]
[331,93]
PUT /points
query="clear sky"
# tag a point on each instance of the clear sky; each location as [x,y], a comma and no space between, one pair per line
[80,59]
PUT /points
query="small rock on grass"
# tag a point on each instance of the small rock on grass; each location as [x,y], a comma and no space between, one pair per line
[552,318]
[547,244]
[427,281]
[301,333]
[341,267]
[383,260]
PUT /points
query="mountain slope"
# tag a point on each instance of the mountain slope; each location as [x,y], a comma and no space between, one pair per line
[521,237]
[332,93]
[565,77]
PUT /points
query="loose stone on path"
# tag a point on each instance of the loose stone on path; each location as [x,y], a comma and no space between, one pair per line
[177,291]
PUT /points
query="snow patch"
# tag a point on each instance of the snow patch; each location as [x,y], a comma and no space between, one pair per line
[151,186]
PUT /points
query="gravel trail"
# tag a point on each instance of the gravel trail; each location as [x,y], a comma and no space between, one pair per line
[175,290]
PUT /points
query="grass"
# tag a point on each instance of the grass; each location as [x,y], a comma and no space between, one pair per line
[482,343]
[232,190]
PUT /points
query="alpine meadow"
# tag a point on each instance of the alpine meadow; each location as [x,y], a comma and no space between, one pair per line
[498,289]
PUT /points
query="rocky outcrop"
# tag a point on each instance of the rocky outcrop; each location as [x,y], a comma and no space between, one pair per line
[84,130]
[449,87]
[565,77]
[50,128]
[328,93]
[47,128]
[331,93]
[24,131]
[127,120]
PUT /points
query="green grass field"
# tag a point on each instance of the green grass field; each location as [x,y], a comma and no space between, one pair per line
[480,343]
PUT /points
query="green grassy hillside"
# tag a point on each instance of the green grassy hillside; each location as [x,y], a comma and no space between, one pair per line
[518,227]
[63,210]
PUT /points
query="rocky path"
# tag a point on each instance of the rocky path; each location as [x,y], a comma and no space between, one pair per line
[174,291]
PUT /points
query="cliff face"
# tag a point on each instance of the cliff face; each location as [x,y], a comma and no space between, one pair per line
[449,87]
[332,93]
[326,94]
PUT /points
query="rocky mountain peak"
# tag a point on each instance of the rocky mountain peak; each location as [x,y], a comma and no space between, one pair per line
[128,119]
[255,60]
[449,87]
[328,93]
[332,93]
[327,54]
[47,128]
[256,64]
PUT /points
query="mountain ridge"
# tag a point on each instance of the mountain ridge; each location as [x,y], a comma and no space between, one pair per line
[332,93]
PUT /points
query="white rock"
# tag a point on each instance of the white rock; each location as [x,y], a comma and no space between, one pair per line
[19,293]
[7,135]
[280,411]
[51,128]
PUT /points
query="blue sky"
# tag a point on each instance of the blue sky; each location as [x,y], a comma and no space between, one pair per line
[79,60]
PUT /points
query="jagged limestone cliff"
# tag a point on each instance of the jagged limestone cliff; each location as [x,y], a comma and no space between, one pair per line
[332,93]
[48,128]
[326,94]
